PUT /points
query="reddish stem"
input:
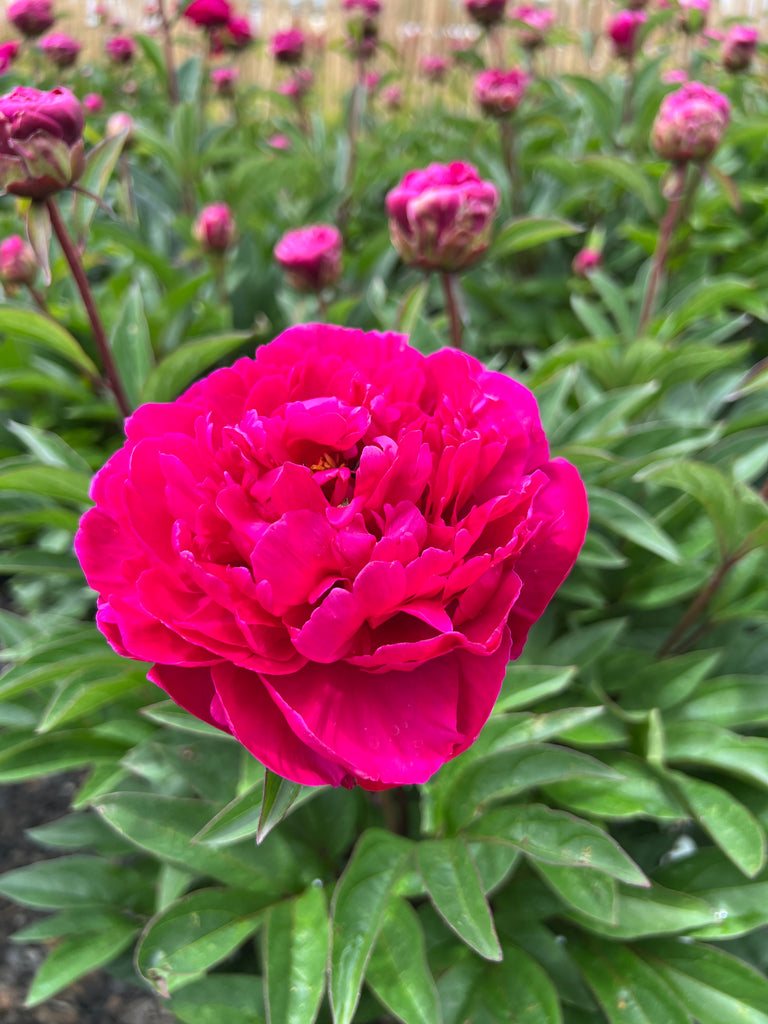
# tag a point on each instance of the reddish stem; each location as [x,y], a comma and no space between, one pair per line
[454,317]
[660,257]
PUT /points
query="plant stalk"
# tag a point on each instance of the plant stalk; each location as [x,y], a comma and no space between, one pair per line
[170,66]
[509,155]
[697,606]
[660,256]
[452,305]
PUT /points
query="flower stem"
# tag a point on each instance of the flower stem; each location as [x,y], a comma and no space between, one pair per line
[170,66]
[72,257]
[452,305]
[509,154]
[660,255]
[698,605]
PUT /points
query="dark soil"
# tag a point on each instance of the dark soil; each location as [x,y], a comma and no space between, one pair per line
[96,998]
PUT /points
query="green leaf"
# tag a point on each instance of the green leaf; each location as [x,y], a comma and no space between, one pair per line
[628,175]
[732,701]
[410,307]
[653,911]
[238,820]
[48,448]
[359,904]
[277,798]
[197,932]
[56,752]
[66,485]
[40,330]
[623,517]
[517,990]
[556,837]
[613,297]
[704,744]
[131,344]
[69,922]
[592,318]
[99,165]
[78,697]
[453,885]
[38,225]
[592,893]
[627,988]
[177,370]
[727,821]
[165,712]
[523,233]
[76,881]
[76,955]
[714,986]
[295,945]
[398,971]
[528,684]
[220,999]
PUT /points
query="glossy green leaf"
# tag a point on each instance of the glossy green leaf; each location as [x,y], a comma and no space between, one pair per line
[591,892]
[359,904]
[165,712]
[699,743]
[48,448]
[454,887]
[625,518]
[730,701]
[653,911]
[63,484]
[99,165]
[398,971]
[527,232]
[278,796]
[41,331]
[56,752]
[77,881]
[527,684]
[517,990]
[628,175]
[179,369]
[220,999]
[295,946]
[131,344]
[238,820]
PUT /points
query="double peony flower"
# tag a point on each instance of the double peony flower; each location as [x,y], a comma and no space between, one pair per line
[332,550]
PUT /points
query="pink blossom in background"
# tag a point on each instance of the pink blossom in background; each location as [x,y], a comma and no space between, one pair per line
[623,29]
[693,15]
[372,80]
[486,12]
[332,550]
[62,50]
[209,14]
[120,49]
[93,103]
[690,123]
[441,218]
[120,122]
[392,97]
[224,80]
[499,92]
[41,141]
[31,17]
[434,68]
[536,21]
[675,76]
[369,8]
[237,34]
[8,53]
[18,263]
[279,142]
[311,257]
[586,260]
[298,85]
[214,229]
[288,46]
[739,47]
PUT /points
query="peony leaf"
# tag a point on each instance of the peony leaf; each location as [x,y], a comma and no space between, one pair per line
[295,945]
[278,796]
[590,892]
[64,484]
[523,233]
[653,911]
[77,882]
[359,904]
[39,237]
[526,684]
[627,519]
[99,165]
[220,999]
[131,344]
[398,971]
[177,370]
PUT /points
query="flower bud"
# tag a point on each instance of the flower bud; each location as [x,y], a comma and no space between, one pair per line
[690,123]
[486,12]
[311,257]
[224,80]
[119,123]
[31,17]
[41,144]
[18,264]
[298,85]
[586,260]
[536,21]
[93,103]
[739,47]
[60,49]
[279,142]
[362,27]
[441,218]
[499,92]
[434,68]
[237,33]
[288,46]
[392,97]
[214,228]
[120,49]
[208,14]
[8,54]
[623,29]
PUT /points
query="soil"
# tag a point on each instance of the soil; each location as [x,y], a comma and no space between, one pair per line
[97,998]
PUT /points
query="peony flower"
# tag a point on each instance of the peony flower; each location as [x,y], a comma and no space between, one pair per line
[434,68]
[486,12]
[331,550]
[30,17]
[499,92]
[93,103]
[214,228]
[18,263]
[120,49]
[537,21]
[739,47]
[288,46]
[62,50]
[8,53]
[208,14]
[41,141]
[690,123]
[623,29]
[372,80]
[311,257]
[224,80]
[237,33]
[440,218]
[586,260]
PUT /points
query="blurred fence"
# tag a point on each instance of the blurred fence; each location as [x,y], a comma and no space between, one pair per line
[412,28]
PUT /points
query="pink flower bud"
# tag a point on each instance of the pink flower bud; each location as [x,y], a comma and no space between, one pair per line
[214,228]
[93,103]
[119,123]
[41,144]
[434,68]
[288,46]
[586,260]
[739,47]
[499,92]
[537,21]
[279,142]
[311,257]
[441,218]
[208,14]
[18,264]
[392,97]
[30,17]
[690,123]
[224,80]
[237,33]
[62,50]
[623,29]
[298,85]
[120,49]
[8,54]
[486,12]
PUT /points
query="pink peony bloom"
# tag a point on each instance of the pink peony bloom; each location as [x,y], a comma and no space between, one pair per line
[440,218]
[214,228]
[434,68]
[486,12]
[224,80]
[120,49]
[311,257]
[237,33]
[585,261]
[499,92]
[675,76]
[208,14]
[331,551]
[8,53]
[18,263]
[623,29]
[372,80]
[279,142]
[93,103]
[41,141]
[739,47]
[690,123]
[537,21]
[288,46]
[62,50]
[30,17]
